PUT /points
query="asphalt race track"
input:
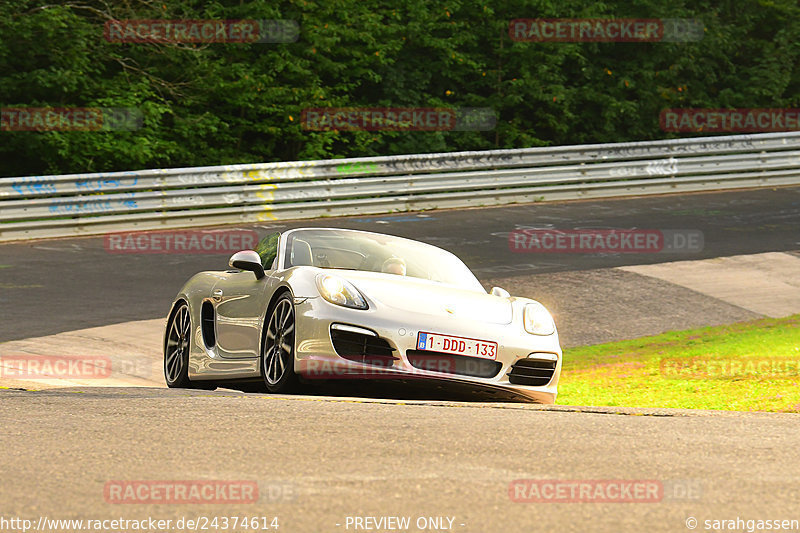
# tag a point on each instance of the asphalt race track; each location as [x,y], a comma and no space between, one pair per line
[69,284]
[320,460]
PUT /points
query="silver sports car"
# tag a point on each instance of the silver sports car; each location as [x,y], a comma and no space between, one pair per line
[324,303]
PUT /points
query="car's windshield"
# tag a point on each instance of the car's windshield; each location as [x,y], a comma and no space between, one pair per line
[371,252]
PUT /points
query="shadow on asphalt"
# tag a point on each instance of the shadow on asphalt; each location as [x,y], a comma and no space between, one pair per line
[395,390]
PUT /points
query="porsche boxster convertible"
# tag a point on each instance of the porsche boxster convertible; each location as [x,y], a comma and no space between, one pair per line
[327,303]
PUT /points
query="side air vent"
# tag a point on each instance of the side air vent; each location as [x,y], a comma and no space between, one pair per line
[207,324]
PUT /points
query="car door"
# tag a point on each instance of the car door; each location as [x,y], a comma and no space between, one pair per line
[240,301]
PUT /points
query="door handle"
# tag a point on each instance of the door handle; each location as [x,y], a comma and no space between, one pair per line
[217,294]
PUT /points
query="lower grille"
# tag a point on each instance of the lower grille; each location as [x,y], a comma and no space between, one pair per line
[461,365]
[362,348]
[532,372]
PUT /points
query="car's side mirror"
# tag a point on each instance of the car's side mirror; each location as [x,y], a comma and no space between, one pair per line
[502,293]
[247,260]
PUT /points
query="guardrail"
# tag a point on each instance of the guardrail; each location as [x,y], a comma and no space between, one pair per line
[85,204]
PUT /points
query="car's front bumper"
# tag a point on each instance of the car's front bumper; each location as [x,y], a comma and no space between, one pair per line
[316,357]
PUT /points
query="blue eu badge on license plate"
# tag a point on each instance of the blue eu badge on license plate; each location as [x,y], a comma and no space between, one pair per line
[423,338]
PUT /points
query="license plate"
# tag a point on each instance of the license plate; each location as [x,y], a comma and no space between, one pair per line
[435,342]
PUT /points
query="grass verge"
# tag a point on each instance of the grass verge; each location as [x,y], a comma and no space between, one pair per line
[747,366]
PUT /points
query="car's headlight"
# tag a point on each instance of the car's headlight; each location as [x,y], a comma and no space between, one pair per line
[537,320]
[340,292]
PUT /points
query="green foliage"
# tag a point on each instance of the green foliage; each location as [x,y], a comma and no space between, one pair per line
[267,249]
[211,104]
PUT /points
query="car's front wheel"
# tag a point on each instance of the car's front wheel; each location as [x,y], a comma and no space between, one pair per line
[176,348]
[277,347]
[176,352]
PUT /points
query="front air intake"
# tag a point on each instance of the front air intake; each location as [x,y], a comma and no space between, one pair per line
[532,372]
[207,324]
[362,346]
[460,365]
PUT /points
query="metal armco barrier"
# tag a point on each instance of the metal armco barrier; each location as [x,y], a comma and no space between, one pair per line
[85,204]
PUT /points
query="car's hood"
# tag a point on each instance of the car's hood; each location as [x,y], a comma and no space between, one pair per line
[422,297]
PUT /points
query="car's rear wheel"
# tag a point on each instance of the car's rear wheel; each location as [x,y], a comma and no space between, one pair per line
[176,349]
[277,347]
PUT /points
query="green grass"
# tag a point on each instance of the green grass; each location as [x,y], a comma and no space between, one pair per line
[747,366]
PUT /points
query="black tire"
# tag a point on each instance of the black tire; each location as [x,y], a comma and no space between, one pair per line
[277,347]
[176,352]
[176,349]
